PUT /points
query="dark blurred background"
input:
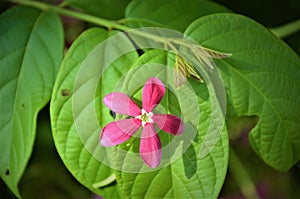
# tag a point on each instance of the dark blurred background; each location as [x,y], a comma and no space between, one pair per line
[47,178]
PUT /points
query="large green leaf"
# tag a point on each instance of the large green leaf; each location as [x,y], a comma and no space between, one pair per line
[261,78]
[76,137]
[176,15]
[31,49]
[188,176]
[102,8]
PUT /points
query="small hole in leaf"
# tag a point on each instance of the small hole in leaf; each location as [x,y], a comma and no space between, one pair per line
[113,114]
[7,172]
[65,92]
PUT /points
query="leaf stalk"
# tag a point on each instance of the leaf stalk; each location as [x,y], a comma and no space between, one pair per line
[287,29]
[82,16]
[116,25]
[241,176]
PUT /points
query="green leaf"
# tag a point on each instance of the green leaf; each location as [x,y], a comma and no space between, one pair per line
[176,15]
[188,176]
[45,166]
[31,49]
[261,78]
[77,97]
[101,8]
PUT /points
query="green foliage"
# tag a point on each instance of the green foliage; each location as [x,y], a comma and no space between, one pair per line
[30,59]
[45,170]
[261,78]
[189,176]
[175,15]
[78,159]
[101,8]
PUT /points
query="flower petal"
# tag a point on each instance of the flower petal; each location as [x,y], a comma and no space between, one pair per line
[153,92]
[122,104]
[150,146]
[119,131]
[169,123]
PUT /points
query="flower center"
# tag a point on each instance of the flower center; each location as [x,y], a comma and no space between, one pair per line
[145,117]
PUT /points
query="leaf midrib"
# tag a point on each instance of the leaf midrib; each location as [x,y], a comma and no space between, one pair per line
[18,83]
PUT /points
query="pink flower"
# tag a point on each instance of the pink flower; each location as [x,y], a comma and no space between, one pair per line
[119,131]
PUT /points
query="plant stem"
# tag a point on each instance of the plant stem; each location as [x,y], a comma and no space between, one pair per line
[287,29]
[241,176]
[85,17]
[281,32]
[92,19]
